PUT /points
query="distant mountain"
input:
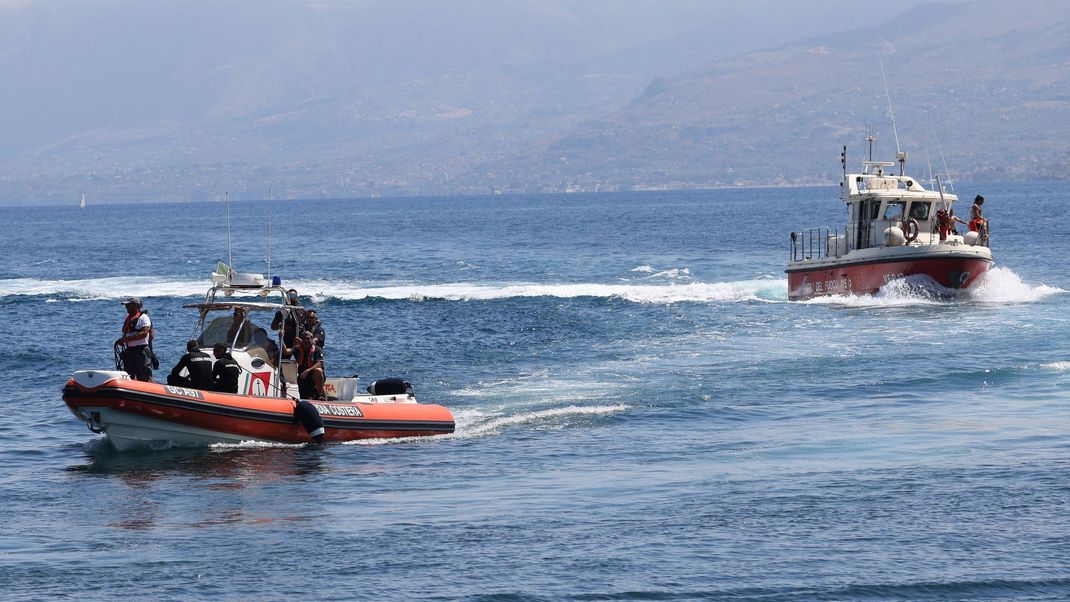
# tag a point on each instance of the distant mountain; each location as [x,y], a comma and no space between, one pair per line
[175,100]
[988,83]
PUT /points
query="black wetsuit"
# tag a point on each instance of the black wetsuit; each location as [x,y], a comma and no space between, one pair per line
[225,374]
[199,366]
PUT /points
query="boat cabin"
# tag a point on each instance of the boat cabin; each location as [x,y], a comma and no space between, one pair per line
[238,311]
[884,209]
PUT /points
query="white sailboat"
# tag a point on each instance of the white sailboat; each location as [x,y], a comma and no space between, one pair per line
[82,205]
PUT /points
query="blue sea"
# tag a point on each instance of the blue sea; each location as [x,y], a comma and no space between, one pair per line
[641,413]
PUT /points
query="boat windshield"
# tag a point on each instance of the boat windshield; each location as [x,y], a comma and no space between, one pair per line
[894,210]
[237,331]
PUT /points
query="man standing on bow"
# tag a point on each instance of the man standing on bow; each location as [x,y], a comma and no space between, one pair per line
[137,329]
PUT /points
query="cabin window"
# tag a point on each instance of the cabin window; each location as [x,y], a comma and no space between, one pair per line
[894,210]
[919,210]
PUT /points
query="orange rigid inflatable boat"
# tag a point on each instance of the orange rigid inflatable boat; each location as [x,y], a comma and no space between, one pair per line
[138,414]
[134,413]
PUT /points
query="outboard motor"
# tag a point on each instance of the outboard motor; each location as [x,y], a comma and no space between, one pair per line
[309,417]
[390,386]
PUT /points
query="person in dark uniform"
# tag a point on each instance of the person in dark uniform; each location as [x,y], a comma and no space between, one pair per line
[198,366]
[313,325]
[226,371]
[310,378]
[291,325]
[137,330]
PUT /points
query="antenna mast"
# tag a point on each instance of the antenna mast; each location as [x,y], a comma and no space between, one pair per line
[269,234]
[888,95]
[230,254]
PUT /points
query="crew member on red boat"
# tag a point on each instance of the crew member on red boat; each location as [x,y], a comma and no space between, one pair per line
[310,377]
[225,372]
[137,330]
[978,223]
[945,221]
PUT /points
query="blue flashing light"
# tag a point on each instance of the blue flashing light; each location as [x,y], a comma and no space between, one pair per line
[276,281]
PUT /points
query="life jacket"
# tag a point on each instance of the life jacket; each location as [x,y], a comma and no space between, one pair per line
[130,324]
[304,356]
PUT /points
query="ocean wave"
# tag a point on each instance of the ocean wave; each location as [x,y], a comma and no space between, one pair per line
[324,291]
[1057,366]
[746,290]
[103,288]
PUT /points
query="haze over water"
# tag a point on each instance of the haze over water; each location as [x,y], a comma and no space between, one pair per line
[641,413]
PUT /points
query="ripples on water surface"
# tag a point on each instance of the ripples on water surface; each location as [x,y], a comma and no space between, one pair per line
[641,413]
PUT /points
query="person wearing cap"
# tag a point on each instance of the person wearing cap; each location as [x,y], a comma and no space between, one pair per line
[137,328]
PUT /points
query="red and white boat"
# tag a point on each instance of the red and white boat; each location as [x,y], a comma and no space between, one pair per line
[142,414]
[896,229]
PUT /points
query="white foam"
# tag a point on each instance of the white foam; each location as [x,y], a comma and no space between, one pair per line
[1002,285]
[254,445]
[998,285]
[1058,366]
[746,290]
[897,293]
[474,423]
[143,286]
[644,269]
[673,274]
[105,288]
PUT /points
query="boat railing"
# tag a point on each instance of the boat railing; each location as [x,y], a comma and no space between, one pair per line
[818,243]
[825,242]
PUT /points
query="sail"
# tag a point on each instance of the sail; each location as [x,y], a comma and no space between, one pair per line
[83,202]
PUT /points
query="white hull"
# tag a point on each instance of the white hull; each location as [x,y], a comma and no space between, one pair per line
[128,431]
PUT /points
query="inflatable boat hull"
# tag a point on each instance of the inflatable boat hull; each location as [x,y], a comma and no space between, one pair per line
[133,413]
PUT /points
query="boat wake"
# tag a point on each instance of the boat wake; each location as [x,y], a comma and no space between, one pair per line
[325,291]
[997,286]
[475,423]
[1001,285]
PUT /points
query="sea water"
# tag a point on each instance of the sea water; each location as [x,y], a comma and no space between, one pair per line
[641,413]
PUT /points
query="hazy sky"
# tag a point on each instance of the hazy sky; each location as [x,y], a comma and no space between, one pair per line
[75,66]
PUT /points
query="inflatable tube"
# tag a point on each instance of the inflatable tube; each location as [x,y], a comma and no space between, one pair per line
[309,417]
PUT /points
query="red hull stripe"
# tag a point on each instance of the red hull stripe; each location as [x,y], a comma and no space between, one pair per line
[841,265]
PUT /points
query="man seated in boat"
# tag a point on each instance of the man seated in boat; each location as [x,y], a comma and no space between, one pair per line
[310,376]
[198,367]
[226,371]
[240,328]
